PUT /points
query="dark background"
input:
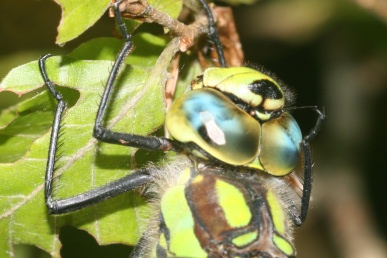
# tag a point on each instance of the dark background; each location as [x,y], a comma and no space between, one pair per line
[333,53]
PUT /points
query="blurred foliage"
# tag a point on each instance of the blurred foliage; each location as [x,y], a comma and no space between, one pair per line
[332,53]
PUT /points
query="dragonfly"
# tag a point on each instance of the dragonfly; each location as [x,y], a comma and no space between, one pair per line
[225,193]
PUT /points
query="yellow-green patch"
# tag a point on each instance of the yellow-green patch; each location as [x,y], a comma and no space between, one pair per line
[229,198]
[277,212]
[184,177]
[198,179]
[245,239]
[178,219]
[283,245]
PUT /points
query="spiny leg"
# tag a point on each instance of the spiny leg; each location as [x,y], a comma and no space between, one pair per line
[105,135]
[308,165]
[109,190]
[61,106]
[213,33]
[91,197]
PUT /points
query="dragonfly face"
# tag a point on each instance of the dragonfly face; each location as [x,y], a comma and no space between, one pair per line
[235,115]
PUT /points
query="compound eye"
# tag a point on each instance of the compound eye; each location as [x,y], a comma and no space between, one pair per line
[209,119]
[280,149]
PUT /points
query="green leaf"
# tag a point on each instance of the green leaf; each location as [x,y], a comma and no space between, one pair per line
[17,135]
[147,49]
[78,16]
[171,7]
[138,107]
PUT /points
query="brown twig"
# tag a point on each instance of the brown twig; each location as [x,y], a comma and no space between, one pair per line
[143,11]
[229,37]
